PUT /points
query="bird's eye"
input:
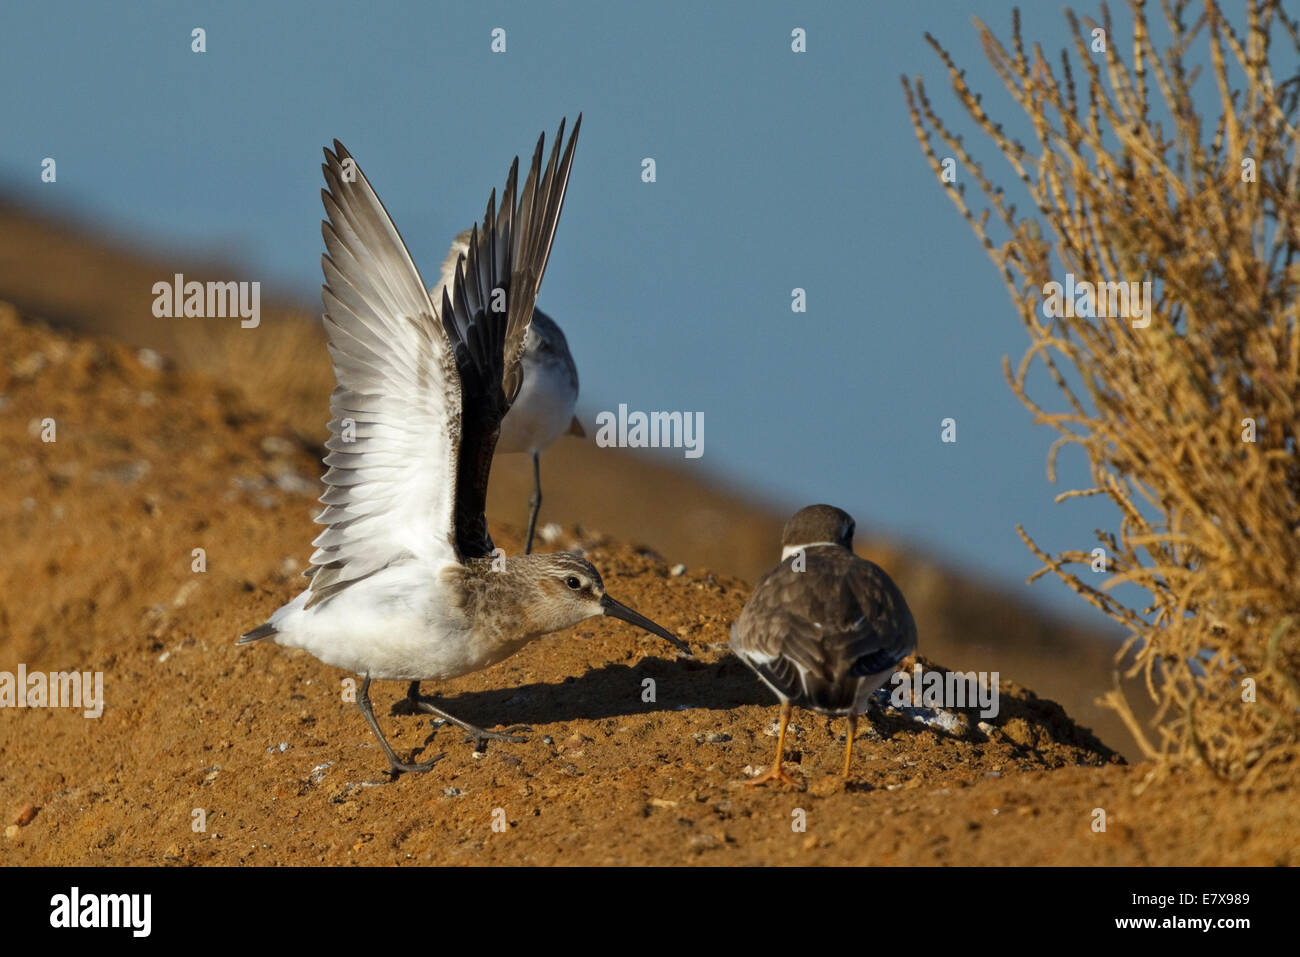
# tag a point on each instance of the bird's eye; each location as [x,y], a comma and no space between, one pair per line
[572,582]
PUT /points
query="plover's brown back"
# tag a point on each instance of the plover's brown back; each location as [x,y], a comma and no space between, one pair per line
[819,636]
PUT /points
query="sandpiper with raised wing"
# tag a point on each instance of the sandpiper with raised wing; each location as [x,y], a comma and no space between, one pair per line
[825,628]
[406,584]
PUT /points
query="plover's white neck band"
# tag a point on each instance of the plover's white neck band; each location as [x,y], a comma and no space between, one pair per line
[791,549]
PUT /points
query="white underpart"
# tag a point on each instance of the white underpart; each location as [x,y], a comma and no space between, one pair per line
[543,410]
[394,625]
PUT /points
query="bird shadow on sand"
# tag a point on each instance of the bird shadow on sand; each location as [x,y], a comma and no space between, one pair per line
[611,691]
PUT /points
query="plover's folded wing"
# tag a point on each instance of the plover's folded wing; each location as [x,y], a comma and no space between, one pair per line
[394,442]
[486,310]
[884,632]
[811,634]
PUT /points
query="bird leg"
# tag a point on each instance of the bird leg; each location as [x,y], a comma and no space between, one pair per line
[534,503]
[775,772]
[363,702]
[418,702]
[848,747]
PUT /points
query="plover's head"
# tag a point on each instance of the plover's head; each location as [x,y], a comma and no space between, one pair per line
[817,525]
[571,590]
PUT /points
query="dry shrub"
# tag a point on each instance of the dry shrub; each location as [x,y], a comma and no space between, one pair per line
[1131,184]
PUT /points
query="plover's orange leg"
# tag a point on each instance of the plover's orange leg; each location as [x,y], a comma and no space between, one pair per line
[398,767]
[776,772]
[848,747]
[418,702]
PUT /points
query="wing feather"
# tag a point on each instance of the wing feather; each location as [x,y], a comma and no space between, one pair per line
[396,412]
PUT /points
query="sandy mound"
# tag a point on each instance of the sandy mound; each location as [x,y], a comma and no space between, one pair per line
[99,528]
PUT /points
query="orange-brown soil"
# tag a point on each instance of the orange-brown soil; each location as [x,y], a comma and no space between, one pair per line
[98,531]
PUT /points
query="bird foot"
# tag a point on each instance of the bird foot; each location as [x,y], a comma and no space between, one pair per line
[418,767]
[479,735]
[776,773]
[413,704]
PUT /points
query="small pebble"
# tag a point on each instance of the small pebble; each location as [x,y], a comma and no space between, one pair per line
[295,484]
[275,445]
[25,814]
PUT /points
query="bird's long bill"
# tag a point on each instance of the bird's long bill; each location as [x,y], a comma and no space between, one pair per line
[616,609]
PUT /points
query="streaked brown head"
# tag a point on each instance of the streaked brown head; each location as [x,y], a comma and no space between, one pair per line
[570,590]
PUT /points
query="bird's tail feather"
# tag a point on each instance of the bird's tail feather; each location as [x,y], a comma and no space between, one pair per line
[257,634]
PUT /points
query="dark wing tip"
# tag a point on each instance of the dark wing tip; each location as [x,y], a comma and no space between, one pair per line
[257,634]
[874,663]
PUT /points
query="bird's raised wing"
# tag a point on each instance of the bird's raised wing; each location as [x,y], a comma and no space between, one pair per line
[396,426]
[812,643]
[485,310]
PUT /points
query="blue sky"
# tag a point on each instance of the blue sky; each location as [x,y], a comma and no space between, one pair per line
[775,170]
